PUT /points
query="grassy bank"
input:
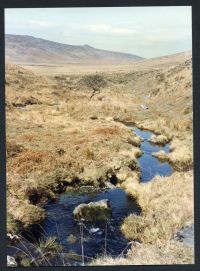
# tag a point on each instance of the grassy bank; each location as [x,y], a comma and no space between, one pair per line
[51,146]
[167,206]
[171,252]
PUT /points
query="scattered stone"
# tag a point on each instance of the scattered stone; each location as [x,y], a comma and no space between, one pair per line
[93,117]
[24,101]
[11,262]
[12,236]
[134,243]
[87,186]
[143,106]
[93,211]
[94,230]
[81,223]
[186,235]
[117,166]
[109,185]
[60,151]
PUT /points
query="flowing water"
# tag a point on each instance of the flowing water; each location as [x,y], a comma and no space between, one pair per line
[99,237]
[60,222]
[149,165]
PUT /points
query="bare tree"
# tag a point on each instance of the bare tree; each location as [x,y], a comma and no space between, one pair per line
[96,82]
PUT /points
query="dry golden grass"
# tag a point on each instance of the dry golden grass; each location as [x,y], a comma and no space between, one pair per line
[29,161]
[181,154]
[56,135]
[167,204]
[79,69]
[159,139]
[170,252]
[52,143]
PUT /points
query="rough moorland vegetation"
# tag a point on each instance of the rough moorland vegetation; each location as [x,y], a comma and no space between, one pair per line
[57,136]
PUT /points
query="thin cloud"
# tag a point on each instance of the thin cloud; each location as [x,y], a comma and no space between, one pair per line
[44,24]
[108,29]
[104,29]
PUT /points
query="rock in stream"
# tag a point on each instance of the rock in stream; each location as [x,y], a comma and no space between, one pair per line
[11,262]
[93,211]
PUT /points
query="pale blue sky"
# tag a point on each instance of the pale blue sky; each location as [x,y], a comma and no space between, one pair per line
[144,31]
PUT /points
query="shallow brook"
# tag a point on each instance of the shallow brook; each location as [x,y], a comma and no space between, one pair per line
[60,222]
[98,237]
[151,166]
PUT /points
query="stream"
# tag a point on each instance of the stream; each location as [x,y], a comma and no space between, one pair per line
[99,237]
[150,166]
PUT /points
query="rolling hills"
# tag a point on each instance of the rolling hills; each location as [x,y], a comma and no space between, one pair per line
[23,49]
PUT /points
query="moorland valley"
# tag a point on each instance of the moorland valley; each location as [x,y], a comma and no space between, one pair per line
[64,141]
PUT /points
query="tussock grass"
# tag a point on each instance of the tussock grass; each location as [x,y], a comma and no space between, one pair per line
[167,206]
[159,139]
[50,244]
[180,156]
[26,213]
[162,203]
[12,149]
[40,253]
[182,153]
[91,149]
[31,161]
[161,155]
[171,252]
[179,133]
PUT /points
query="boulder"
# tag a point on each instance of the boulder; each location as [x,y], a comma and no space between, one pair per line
[109,185]
[186,235]
[94,230]
[143,106]
[12,236]
[11,262]
[93,211]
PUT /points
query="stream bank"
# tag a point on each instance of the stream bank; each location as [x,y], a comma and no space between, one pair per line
[98,238]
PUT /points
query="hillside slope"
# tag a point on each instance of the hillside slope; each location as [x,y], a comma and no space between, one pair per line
[28,49]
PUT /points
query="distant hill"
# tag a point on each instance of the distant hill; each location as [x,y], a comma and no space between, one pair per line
[30,50]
